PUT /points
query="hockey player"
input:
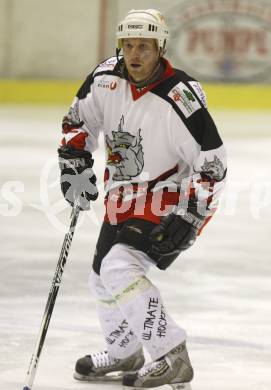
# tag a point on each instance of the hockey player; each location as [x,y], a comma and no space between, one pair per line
[165,169]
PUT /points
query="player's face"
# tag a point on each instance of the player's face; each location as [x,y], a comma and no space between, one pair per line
[141,57]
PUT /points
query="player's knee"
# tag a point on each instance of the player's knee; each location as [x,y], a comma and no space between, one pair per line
[119,267]
[110,269]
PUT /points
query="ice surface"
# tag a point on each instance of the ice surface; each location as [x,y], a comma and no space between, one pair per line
[219,290]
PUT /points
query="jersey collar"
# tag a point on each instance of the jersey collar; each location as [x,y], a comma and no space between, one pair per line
[168,72]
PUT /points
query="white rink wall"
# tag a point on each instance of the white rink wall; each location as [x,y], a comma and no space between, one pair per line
[48,39]
[59,39]
[64,39]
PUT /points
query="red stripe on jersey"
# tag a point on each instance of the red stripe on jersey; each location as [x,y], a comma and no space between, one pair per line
[78,141]
[143,208]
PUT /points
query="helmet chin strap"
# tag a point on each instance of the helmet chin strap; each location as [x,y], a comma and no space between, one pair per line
[118,50]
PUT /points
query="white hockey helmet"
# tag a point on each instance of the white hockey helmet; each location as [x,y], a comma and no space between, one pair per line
[144,23]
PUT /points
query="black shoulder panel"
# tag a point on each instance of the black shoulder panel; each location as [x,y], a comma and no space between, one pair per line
[86,86]
[200,124]
[163,88]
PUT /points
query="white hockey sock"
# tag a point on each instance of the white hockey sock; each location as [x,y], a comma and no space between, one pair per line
[119,337]
[123,273]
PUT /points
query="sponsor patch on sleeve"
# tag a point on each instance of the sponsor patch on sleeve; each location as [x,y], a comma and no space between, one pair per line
[199,91]
[184,99]
[109,64]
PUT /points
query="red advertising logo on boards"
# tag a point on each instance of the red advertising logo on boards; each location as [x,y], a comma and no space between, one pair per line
[227,40]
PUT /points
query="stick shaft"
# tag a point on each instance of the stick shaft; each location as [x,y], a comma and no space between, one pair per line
[51,300]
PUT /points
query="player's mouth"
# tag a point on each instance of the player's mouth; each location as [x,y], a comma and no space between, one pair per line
[135,66]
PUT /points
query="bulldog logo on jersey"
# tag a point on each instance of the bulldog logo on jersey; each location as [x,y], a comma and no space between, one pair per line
[125,153]
[214,169]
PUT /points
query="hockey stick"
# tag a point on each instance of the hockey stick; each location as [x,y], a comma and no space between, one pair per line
[51,300]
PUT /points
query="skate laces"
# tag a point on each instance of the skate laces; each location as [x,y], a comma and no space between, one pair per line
[103,359]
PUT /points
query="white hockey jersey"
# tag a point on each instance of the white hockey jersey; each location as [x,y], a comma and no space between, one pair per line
[154,136]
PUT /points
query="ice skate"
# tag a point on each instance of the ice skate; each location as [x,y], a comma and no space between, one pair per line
[99,367]
[173,369]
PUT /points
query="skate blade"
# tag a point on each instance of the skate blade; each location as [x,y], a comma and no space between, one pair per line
[174,386]
[177,386]
[180,386]
[112,377]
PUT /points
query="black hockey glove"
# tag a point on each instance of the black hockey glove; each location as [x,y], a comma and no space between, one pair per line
[173,235]
[78,181]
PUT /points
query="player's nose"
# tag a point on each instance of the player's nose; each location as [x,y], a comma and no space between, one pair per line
[135,53]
